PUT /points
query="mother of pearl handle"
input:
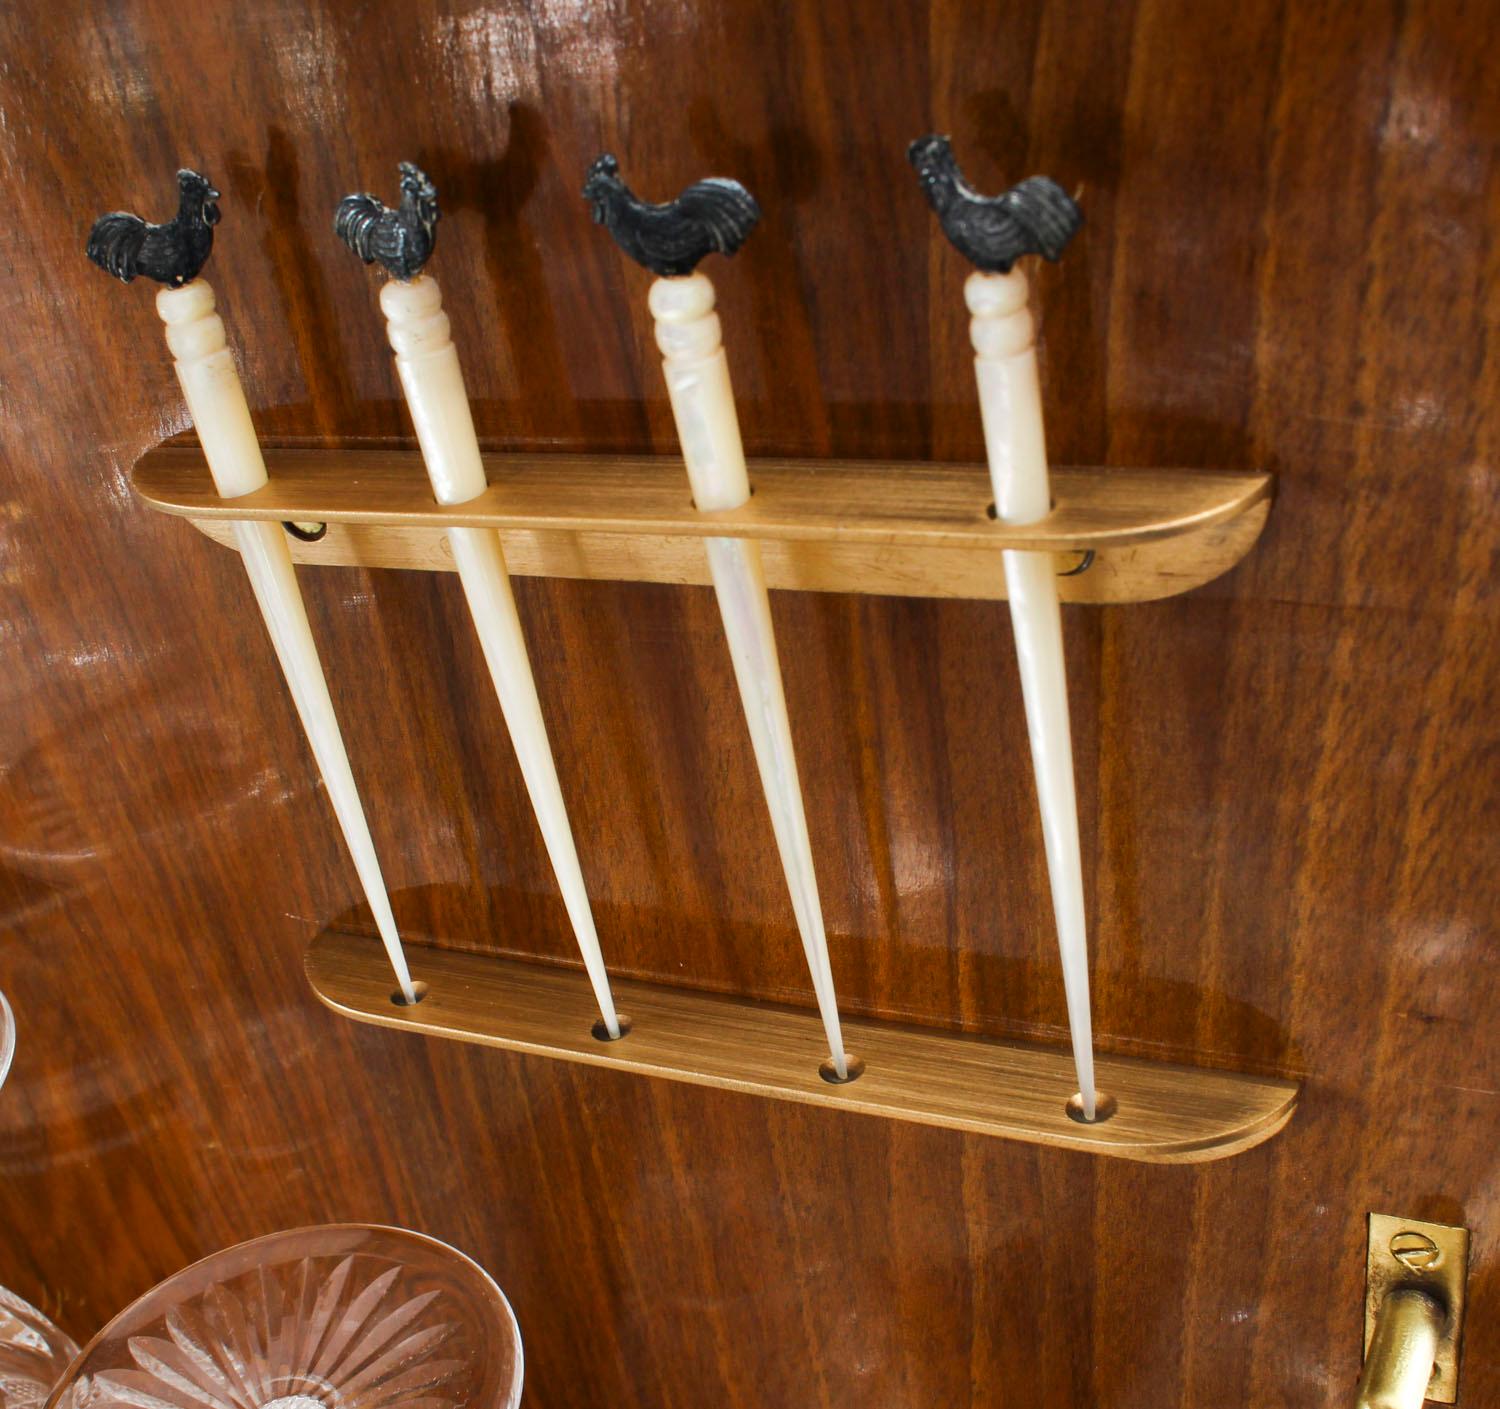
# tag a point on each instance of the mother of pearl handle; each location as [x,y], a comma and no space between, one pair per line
[205,368]
[1010,396]
[1010,404]
[697,374]
[211,386]
[427,363]
[433,382]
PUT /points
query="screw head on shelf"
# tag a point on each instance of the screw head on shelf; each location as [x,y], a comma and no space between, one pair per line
[1415,1251]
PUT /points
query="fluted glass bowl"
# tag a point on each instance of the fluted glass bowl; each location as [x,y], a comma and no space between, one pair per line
[347,1316]
[33,1353]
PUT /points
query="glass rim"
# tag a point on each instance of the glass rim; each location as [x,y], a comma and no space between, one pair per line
[7,1037]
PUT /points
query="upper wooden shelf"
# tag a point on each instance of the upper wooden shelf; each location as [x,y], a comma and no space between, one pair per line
[906,529]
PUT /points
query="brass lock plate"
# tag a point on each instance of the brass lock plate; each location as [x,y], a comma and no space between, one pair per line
[1405,1252]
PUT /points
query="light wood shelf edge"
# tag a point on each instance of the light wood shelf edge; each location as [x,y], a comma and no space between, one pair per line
[1167,1114]
[917,530]
[1142,573]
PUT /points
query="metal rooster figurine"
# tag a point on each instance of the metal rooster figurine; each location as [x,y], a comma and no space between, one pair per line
[399,240]
[992,232]
[1036,217]
[715,216]
[172,253]
[710,217]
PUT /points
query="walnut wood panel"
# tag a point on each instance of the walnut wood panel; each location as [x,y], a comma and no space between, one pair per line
[1286,776]
[1160,1114]
[916,529]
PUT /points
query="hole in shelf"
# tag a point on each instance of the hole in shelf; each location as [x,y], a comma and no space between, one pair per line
[601,1033]
[694,502]
[305,532]
[1104,1107]
[993,513]
[1085,555]
[402,1001]
[829,1072]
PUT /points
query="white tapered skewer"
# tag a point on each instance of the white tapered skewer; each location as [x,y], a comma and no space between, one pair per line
[433,382]
[211,385]
[1010,403]
[697,373]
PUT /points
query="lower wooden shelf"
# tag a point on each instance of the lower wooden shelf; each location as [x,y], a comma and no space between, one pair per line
[1164,1114]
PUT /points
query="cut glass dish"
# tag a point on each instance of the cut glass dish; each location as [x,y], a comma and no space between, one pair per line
[33,1352]
[347,1316]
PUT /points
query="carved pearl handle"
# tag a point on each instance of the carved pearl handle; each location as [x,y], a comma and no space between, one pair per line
[687,332]
[1010,400]
[205,368]
[697,373]
[1010,403]
[434,385]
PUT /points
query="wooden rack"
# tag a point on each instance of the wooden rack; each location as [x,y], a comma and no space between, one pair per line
[920,530]
[1163,1114]
[900,530]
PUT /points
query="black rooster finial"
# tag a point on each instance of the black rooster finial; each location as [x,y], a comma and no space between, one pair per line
[992,232]
[710,217]
[401,240]
[171,253]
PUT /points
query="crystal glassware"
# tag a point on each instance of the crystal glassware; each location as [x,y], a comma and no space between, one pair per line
[7,1039]
[33,1352]
[346,1316]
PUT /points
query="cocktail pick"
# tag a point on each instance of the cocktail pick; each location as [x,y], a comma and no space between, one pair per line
[401,241]
[1035,217]
[172,254]
[715,216]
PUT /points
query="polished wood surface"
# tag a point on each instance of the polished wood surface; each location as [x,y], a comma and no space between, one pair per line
[1288,801]
[1161,1114]
[900,530]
